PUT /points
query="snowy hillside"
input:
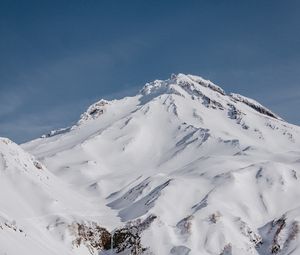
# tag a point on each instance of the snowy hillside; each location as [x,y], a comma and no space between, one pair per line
[180,168]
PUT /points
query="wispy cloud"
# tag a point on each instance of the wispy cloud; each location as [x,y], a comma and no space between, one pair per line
[23,129]
[58,79]
[9,103]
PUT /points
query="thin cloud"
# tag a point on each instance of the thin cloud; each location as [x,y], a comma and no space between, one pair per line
[9,103]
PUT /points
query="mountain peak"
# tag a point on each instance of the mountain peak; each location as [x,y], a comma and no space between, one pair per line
[180,80]
[187,86]
[196,86]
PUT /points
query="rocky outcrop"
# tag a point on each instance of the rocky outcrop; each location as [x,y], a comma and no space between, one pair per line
[129,237]
[97,238]
[94,111]
[184,226]
[254,105]
[227,250]
[93,236]
[278,235]
[56,132]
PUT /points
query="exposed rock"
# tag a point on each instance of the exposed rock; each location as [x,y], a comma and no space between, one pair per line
[214,218]
[93,236]
[227,250]
[10,225]
[129,237]
[254,237]
[207,83]
[56,132]
[235,114]
[94,111]
[254,105]
[37,164]
[97,238]
[206,101]
[185,225]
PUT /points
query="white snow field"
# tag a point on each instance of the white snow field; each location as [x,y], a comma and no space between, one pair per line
[180,168]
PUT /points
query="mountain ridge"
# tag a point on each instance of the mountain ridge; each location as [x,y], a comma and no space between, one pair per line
[159,87]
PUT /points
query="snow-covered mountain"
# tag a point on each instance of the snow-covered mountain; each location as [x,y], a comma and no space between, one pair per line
[180,168]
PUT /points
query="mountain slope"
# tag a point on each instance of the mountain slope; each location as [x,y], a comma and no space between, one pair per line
[37,209]
[193,169]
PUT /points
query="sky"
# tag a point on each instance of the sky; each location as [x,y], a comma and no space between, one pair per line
[58,57]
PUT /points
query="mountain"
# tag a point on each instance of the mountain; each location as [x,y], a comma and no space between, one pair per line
[180,168]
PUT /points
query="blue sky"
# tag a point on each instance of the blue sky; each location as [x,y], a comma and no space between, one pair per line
[57,57]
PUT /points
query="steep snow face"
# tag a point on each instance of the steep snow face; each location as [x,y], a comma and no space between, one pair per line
[215,172]
[36,208]
[25,196]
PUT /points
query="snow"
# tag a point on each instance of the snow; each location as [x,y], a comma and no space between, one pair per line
[218,170]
